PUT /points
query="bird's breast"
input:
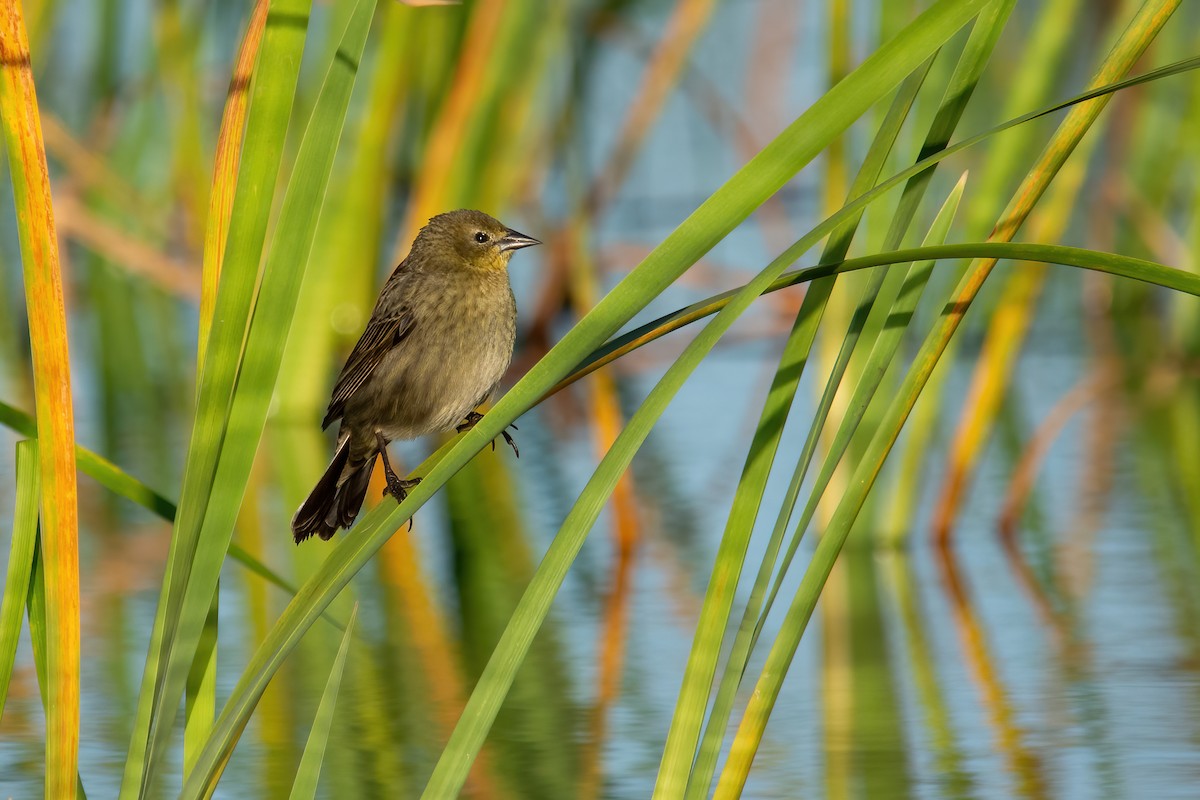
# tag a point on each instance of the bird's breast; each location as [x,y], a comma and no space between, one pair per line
[459,348]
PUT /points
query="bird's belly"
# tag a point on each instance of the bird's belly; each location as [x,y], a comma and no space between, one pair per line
[431,383]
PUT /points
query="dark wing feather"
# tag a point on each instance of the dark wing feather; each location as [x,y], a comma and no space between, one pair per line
[382,334]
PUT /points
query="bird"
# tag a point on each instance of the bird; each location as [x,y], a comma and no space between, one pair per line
[437,344]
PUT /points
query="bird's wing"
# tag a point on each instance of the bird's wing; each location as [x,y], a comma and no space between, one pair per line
[383,333]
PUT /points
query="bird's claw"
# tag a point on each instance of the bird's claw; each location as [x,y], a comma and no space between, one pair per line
[470,422]
[473,419]
[398,488]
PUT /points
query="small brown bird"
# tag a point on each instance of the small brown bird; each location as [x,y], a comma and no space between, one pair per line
[438,342]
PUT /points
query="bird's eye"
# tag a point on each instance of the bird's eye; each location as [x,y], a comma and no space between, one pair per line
[481,237]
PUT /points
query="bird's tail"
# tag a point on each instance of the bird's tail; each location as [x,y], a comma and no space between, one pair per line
[336,499]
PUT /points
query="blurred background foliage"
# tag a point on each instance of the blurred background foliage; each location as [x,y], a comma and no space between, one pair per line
[1016,613]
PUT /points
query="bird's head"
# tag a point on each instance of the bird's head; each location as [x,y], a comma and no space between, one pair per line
[469,239]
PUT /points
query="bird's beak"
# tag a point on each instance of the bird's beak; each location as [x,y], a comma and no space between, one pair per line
[515,241]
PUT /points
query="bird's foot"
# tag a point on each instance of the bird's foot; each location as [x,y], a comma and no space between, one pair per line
[396,486]
[473,419]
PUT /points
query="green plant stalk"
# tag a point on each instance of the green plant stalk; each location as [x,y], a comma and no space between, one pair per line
[200,693]
[748,630]
[882,353]
[273,89]
[1133,42]
[896,513]
[1040,66]
[223,190]
[753,482]
[960,87]
[265,341]
[718,215]
[20,561]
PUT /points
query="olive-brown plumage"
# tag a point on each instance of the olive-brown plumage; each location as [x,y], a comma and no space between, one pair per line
[438,342]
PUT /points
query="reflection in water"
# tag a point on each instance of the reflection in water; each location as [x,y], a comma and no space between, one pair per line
[1010,740]
[954,780]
